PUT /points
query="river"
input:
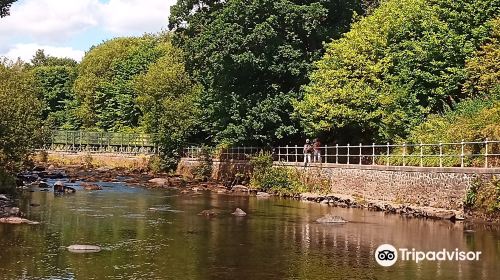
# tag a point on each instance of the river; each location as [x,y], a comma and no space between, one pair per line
[157,234]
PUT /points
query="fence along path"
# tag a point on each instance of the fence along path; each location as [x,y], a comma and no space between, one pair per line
[459,154]
[100,142]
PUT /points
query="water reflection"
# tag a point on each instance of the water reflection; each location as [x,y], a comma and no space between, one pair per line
[158,235]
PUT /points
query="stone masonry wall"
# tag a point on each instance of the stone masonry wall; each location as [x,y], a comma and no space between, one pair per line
[420,186]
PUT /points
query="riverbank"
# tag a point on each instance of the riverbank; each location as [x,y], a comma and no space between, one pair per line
[186,185]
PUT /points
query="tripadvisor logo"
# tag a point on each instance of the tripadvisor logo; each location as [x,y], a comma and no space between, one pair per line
[387,255]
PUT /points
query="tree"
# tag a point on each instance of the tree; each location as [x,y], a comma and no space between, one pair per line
[483,70]
[54,78]
[104,84]
[41,59]
[252,58]
[5,7]
[168,100]
[397,65]
[20,122]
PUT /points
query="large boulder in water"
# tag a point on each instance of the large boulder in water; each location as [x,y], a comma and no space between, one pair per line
[77,248]
[240,189]
[16,220]
[331,219]
[239,213]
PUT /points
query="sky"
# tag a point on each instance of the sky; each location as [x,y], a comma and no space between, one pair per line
[68,28]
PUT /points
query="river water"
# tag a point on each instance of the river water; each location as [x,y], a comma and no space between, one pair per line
[148,234]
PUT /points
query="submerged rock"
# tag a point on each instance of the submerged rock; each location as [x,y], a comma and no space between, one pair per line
[58,186]
[208,213]
[239,213]
[17,220]
[239,188]
[263,194]
[159,181]
[91,187]
[329,218]
[77,248]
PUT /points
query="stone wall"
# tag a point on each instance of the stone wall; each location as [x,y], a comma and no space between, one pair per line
[421,186]
[222,171]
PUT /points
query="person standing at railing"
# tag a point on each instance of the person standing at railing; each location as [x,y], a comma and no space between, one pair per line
[308,150]
[316,150]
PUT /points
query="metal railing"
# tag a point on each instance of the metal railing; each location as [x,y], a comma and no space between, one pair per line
[100,142]
[454,154]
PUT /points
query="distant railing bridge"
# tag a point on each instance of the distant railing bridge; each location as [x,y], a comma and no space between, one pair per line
[100,142]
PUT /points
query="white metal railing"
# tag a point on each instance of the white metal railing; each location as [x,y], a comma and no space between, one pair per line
[458,154]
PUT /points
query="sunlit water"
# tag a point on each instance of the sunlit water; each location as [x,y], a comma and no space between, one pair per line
[158,235]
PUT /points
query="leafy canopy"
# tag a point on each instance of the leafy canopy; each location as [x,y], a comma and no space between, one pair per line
[397,65]
[252,58]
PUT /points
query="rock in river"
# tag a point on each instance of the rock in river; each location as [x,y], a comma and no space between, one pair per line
[84,248]
[240,188]
[16,220]
[238,212]
[91,187]
[208,213]
[329,218]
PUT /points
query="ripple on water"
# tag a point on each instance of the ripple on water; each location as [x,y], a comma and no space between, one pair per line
[134,216]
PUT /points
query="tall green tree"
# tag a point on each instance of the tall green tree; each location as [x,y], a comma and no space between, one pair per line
[252,58]
[54,78]
[20,116]
[104,86]
[168,100]
[397,65]
[5,7]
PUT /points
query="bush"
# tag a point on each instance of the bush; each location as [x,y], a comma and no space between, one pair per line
[280,180]
[204,169]
[484,196]
[155,164]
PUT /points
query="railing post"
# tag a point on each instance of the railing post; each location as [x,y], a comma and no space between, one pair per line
[348,152]
[279,153]
[360,152]
[387,161]
[287,153]
[440,154]
[336,153]
[404,153]
[373,153]
[296,154]
[421,155]
[326,153]
[486,153]
[462,154]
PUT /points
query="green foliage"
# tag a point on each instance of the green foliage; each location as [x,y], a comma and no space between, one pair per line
[483,70]
[20,122]
[252,57]
[472,120]
[5,7]
[168,100]
[104,86]
[54,79]
[397,65]
[204,169]
[484,196]
[279,180]
[155,164]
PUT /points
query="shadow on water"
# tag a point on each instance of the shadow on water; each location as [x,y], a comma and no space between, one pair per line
[149,234]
